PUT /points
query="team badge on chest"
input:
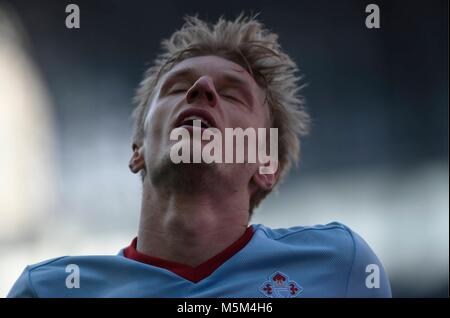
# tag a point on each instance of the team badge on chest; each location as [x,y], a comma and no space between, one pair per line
[280,286]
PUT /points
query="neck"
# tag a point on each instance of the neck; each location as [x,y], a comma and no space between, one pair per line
[190,228]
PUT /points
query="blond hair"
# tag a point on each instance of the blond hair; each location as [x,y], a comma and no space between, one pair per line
[246,42]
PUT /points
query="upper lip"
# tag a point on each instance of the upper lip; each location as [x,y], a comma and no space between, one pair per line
[201,113]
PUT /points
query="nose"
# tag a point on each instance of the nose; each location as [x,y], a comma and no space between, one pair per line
[202,89]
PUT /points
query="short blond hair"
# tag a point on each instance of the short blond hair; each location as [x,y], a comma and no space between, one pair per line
[246,42]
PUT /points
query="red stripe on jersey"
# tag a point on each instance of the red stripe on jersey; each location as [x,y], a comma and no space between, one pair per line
[194,274]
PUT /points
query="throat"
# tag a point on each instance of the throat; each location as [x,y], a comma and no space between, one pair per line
[188,243]
[193,271]
[190,229]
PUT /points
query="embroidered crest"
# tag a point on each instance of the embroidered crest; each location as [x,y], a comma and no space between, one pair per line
[280,286]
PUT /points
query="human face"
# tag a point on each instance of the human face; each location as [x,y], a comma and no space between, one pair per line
[210,87]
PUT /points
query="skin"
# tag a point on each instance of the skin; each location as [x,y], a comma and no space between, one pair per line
[192,212]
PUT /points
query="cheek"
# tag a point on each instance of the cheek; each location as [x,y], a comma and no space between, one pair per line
[157,129]
[255,119]
[157,121]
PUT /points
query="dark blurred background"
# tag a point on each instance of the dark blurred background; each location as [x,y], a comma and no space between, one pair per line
[376,159]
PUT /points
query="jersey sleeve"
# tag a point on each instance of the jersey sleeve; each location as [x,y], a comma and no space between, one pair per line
[367,277]
[22,288]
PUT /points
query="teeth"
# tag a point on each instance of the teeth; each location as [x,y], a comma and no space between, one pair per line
[193,117]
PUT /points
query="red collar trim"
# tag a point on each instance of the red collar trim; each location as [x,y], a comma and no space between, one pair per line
[194,274]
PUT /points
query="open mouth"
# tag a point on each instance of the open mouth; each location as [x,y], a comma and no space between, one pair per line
[188,117]
[189,121]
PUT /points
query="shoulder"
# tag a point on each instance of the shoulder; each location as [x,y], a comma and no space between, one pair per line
[37,280]
[330,234]
[366,276]
[23,287]
[334,242]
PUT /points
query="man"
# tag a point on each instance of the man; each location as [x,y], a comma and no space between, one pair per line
[194,239]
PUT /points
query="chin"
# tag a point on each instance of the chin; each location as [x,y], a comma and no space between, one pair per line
[180,176]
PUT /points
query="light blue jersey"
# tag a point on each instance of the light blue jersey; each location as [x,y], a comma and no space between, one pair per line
[317,261]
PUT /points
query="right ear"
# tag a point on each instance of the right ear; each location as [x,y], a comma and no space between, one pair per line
[137,162]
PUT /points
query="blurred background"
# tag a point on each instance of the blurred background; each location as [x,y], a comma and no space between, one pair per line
[376,159]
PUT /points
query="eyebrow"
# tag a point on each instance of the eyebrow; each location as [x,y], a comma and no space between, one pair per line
[191,72]
[179,74]
[235,80]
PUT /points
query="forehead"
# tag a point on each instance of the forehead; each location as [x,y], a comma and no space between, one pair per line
[215,67]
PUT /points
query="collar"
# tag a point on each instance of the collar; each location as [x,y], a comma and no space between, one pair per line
[193,274]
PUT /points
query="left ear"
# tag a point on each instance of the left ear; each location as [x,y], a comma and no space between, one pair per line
[266,181]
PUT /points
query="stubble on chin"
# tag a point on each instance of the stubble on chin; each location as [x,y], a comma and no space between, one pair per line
[183,177]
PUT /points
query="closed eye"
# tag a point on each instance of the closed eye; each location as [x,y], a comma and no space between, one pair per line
[178,91]
[232,98]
